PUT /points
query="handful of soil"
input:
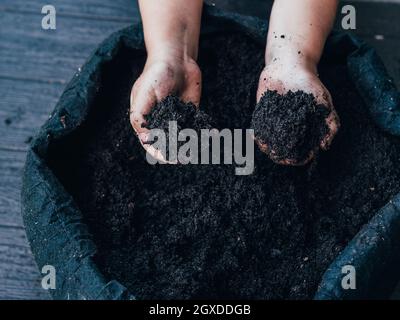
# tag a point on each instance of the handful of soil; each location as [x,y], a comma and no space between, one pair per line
[291,125]
[186,116]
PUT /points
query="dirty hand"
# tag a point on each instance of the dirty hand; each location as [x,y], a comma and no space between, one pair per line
[162,76]
[284,77]
[294,49]
[171,33]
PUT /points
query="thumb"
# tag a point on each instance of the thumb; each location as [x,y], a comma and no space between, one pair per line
[141,102]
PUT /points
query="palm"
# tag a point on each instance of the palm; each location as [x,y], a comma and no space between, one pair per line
[158,80]
[273,78]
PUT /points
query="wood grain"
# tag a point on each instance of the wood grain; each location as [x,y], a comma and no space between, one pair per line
[19,276]
[35,66]
[91,9]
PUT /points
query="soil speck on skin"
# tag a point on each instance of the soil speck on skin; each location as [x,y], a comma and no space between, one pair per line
[291,125]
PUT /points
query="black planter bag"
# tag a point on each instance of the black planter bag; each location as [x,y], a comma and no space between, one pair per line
[54,224]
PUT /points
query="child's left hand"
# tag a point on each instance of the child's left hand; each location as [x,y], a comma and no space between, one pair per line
[283,77]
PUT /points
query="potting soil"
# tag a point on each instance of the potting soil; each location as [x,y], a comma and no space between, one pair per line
[200,231]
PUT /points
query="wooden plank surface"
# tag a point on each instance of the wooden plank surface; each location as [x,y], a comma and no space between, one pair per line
[92,9]
[19,276]
[36,64]
[11,163]
[29,52]
[24,105]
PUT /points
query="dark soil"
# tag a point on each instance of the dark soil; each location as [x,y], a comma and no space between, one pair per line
[291,125]
[199,231]
[186,115]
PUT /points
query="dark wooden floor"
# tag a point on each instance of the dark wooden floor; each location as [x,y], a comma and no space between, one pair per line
[35,66]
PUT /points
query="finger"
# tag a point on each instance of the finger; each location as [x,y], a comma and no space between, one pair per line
[141,101]
[333,123]
[296,163]
[262,146]
[321,94]
[146,92]
[157,154]
[140,106]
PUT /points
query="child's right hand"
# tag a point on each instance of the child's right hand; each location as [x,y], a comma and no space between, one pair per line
[163,75]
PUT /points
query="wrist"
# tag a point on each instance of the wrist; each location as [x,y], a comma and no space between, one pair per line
[291,62]
[291,57]
[171,52]
[171,28]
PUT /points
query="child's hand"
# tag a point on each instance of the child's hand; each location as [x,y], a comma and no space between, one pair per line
[171,32]
[283,77]
[294,48]
[161,77]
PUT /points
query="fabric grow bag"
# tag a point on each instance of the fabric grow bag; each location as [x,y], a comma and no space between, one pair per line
[54,224]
